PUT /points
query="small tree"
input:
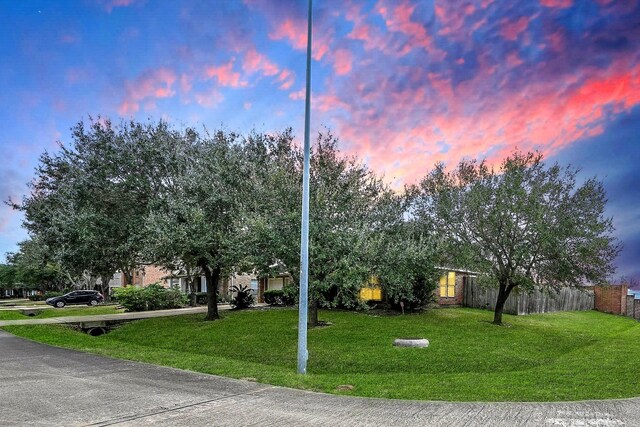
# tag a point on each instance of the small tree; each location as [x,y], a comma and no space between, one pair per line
[521,225]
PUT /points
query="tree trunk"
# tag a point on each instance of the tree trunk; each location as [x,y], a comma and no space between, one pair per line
[312,320]
[193,298]
[503,294]
[128,277]
[104,287]
[212,276]
[191,286]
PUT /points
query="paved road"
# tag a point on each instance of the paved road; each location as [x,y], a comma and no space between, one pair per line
[43,385]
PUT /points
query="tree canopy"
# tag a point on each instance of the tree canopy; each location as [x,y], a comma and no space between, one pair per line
[522,224]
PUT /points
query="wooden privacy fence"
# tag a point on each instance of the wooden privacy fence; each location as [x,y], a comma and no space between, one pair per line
[537,301]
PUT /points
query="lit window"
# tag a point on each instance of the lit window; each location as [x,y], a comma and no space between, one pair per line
[448,285]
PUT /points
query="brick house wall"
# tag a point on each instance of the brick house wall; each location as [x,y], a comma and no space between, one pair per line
[611,299]
[154,274]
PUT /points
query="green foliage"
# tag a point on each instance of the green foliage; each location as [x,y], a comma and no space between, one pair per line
[32,267]
[242,297]
[43,297]
[290,295]
[89,200]
[201,298]
[8,278]
[522,224]
[152,297]
[351,210]
[274,296]
[285,296]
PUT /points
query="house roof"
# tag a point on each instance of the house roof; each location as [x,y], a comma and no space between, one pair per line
[459,270]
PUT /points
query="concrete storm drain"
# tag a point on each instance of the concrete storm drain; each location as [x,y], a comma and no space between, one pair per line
[411,342]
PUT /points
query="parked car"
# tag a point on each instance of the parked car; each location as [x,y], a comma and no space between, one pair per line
[76,297]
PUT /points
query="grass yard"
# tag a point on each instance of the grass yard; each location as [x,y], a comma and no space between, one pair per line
[560,356]
[60,312]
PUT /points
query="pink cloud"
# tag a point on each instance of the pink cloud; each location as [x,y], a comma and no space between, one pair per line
[398,18]
[511,29]
[286,78]
[127,108]
[298,95]
[109,5]
[255,61]
[561,4]
[209,98]
[225,75]
[438,121]
[556,41]
[152,84]
[295,31]
[513,60]
[185,83]
[342,61]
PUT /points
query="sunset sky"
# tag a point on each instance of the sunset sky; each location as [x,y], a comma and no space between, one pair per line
[403,83]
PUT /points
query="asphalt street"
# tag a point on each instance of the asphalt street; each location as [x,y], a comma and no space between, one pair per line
[44,385]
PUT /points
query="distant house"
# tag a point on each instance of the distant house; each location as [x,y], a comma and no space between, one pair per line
[279,281]
[449,292]
[451,286]
[149,274]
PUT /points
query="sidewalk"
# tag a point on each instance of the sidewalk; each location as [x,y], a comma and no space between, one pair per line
[116,317]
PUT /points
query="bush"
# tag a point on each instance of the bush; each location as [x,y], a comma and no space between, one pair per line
[286,296]
[243,297]
[201,298]
[274,297]
[43,297]
[153,297]
[291,294]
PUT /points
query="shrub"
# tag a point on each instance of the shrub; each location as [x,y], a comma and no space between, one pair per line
[243,297]
[153,297]
[43,297]
[286,296]
[274,297]
[201,298]
[290,296]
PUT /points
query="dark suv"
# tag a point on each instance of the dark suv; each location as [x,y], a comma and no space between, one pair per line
[76,297]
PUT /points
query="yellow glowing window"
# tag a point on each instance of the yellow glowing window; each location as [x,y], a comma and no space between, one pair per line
[448,285]
[371,291]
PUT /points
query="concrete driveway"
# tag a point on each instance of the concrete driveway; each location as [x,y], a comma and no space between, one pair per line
[43,385]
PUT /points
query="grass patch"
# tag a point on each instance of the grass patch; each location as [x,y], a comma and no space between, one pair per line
[560,356]
[60,312]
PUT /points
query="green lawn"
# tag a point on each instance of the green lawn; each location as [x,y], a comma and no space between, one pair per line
[60,312]
[561,356]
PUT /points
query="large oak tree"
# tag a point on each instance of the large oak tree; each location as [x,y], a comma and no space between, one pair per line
[521,224]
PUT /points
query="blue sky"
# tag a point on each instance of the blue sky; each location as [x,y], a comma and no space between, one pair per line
[404,84]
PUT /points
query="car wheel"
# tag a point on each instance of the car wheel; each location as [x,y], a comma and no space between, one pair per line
[60,304]
[93,302]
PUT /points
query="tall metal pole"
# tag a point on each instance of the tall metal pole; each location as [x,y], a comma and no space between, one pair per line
[303,354]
